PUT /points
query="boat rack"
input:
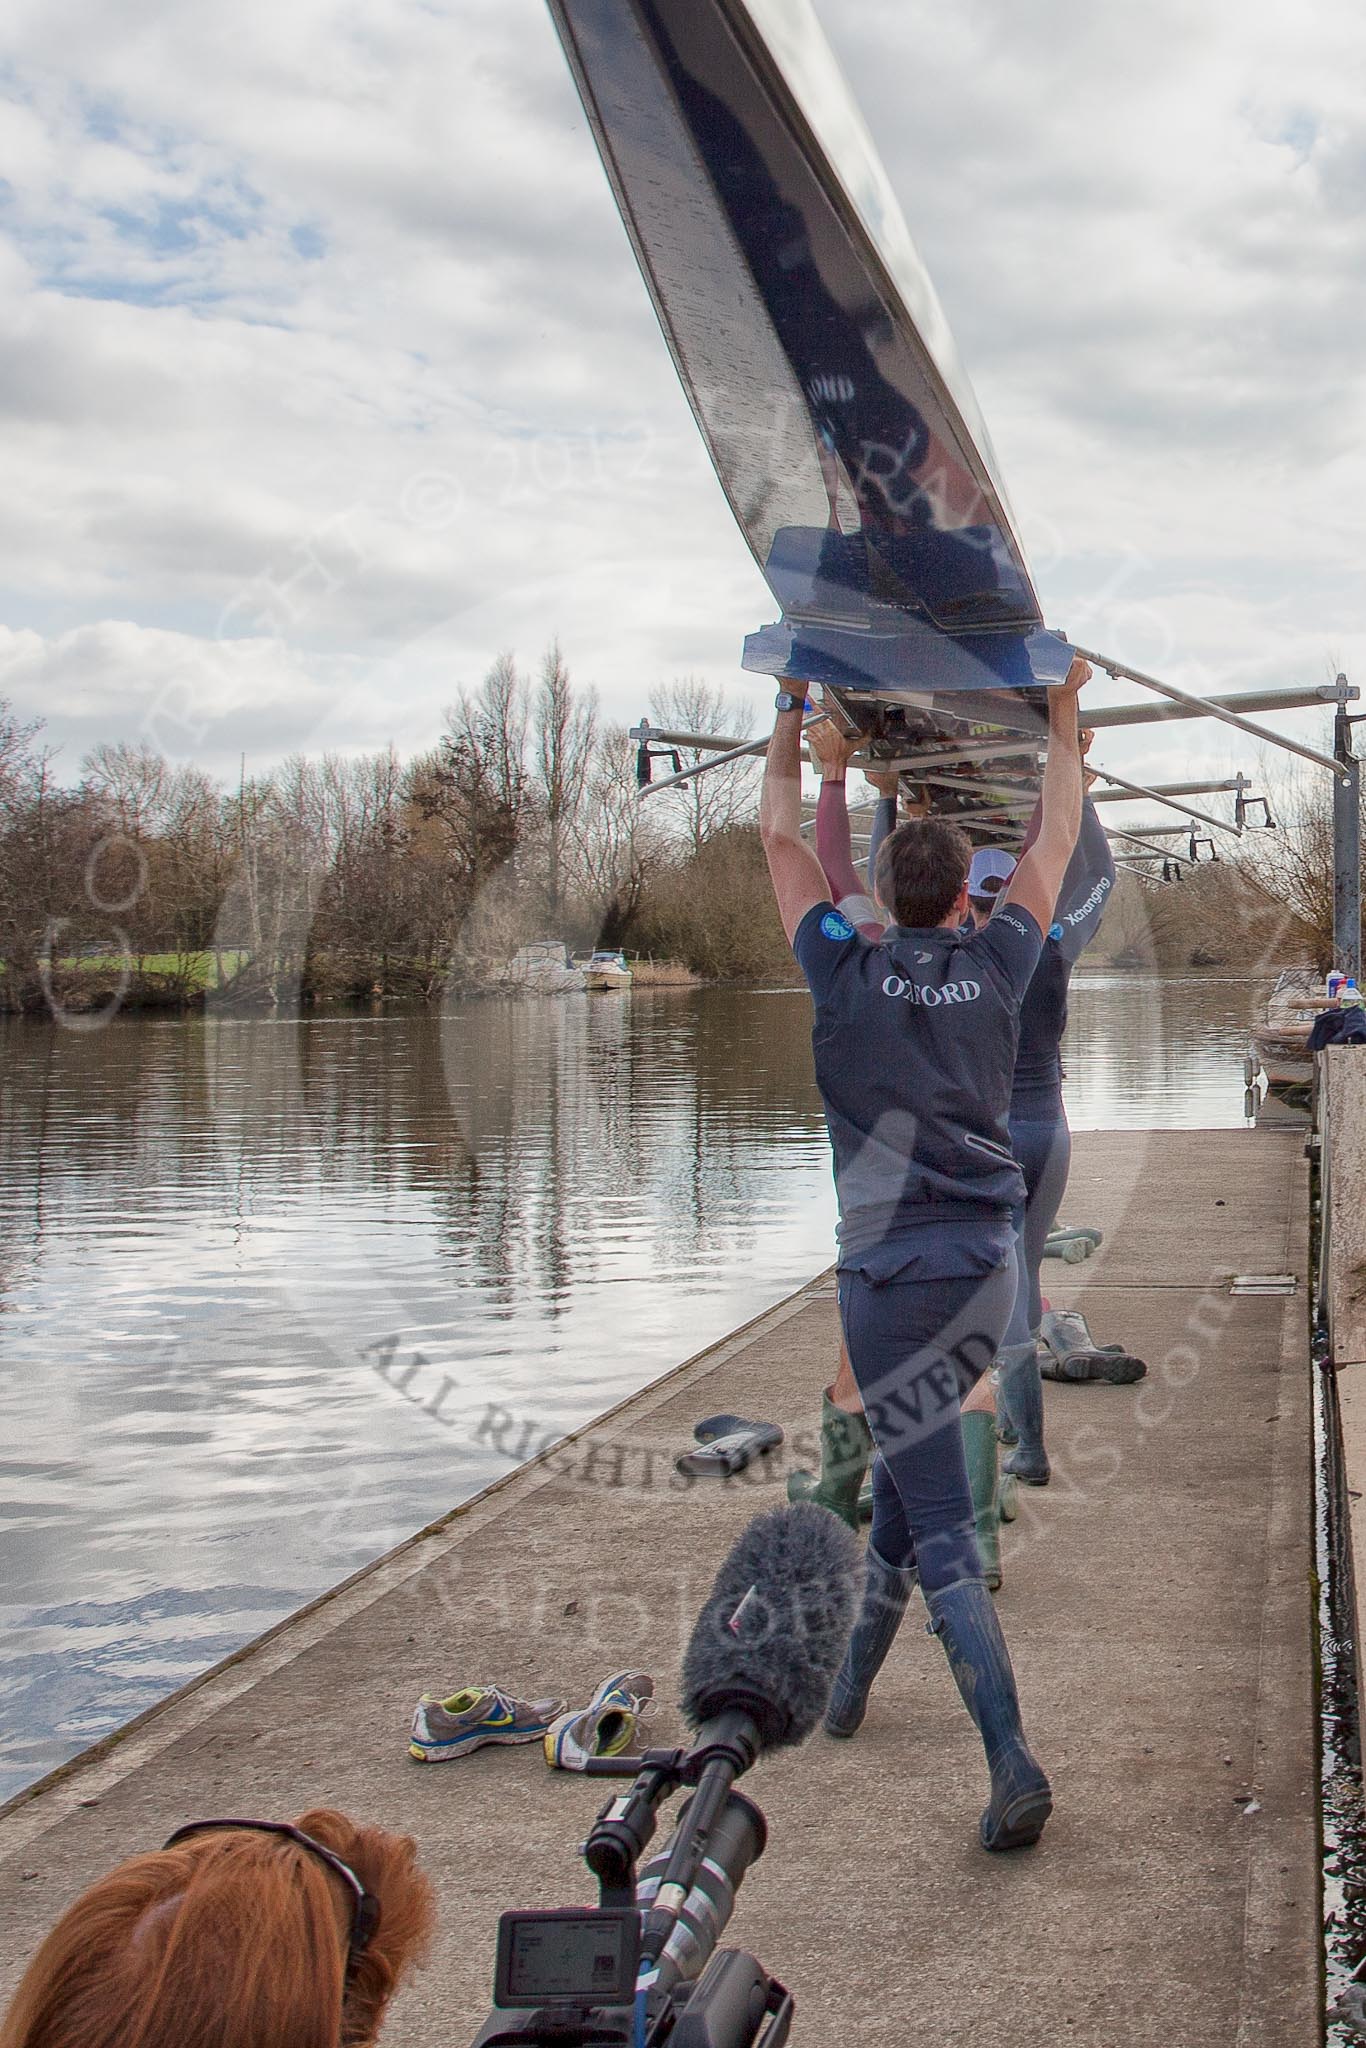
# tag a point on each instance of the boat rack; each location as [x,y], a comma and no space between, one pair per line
[988,782]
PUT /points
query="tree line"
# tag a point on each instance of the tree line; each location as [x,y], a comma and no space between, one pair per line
[367,875]
[141,880]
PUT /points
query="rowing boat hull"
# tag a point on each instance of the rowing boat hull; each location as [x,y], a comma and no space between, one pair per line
[813,351]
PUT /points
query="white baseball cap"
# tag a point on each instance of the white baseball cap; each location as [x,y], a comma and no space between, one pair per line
[992,867]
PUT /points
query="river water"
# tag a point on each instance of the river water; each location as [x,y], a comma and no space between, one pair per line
[276,1293]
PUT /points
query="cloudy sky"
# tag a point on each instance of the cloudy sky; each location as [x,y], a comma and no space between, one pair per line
[327,371]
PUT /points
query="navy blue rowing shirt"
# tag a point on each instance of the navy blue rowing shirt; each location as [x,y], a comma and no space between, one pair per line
[914,1038]
[1036,1096]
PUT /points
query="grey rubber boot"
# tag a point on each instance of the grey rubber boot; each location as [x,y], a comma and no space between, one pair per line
[964,1620]
[846,1447]
[1019,1394]
[979,1448]
[1072,1353]
[886,1591]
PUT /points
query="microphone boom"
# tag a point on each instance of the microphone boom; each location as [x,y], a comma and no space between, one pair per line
[770,1638]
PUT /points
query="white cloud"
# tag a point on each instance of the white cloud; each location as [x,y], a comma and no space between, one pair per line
[181,693]
[302,301]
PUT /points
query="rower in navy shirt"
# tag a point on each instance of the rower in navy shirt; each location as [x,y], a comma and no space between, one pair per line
[915,1040]
[918,1121]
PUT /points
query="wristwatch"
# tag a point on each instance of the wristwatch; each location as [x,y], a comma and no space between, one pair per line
[789,700]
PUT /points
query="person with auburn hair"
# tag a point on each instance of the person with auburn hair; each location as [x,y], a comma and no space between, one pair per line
[237,1934]
[914,1040]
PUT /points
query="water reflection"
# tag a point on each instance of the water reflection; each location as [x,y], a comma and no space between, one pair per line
[1159,1052]
[260,1281]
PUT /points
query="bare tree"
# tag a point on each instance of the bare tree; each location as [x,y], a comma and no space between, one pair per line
[1294,864]
[46,835]
[160,854]
[723,797]
[503,728]
[17,753]
[356,926]
[563,735]
[491,723]
[191,860]
[133,781]
[620,844]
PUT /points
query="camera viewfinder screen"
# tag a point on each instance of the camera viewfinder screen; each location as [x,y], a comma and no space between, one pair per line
[588,1957]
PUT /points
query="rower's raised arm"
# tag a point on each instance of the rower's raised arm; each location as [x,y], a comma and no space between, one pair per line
[1038,878]
[796,874]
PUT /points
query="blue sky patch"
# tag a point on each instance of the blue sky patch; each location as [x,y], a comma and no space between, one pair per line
[169,228]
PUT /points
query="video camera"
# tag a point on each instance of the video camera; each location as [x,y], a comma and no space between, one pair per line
[642,1969]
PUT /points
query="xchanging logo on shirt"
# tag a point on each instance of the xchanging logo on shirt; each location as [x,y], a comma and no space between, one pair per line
[836,927]
[1083,910]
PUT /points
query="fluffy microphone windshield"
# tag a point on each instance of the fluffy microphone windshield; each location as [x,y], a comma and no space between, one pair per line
[770,1638]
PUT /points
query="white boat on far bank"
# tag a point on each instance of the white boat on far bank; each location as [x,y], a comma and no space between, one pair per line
[607,971]
[544,968]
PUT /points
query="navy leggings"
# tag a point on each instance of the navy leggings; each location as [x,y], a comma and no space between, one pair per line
[917,1347]
[1044,1151]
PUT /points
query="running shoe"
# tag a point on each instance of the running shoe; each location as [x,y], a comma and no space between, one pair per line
[470,1718]
[605,1727]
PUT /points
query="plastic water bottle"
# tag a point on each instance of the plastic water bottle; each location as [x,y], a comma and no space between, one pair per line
[1335,981]
[1350,996]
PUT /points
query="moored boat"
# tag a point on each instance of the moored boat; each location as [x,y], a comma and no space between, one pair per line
[607,971]
[544,969]
[1280,1046]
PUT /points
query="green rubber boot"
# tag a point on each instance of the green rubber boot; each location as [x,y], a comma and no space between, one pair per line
[979,1448]
[846,1447]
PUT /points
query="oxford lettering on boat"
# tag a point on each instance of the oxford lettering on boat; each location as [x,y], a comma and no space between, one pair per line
[830,390]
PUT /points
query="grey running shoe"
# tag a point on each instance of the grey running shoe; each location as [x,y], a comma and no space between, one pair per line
[477,1715]
[605,1727]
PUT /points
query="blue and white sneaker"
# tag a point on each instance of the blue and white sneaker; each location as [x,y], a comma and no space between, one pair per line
[470,1718]
[605,1727]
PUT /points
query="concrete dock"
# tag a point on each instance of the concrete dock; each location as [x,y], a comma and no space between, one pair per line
[1158,1605]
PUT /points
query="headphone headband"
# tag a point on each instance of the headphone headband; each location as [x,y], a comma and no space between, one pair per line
[364,1904]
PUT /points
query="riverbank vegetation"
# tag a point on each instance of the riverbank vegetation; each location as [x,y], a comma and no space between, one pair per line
[1219,915]
[141,883]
